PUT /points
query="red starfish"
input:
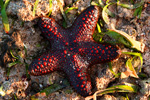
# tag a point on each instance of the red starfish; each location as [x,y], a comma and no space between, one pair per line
[73,50]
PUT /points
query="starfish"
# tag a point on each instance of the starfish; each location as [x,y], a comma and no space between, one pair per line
[73,50]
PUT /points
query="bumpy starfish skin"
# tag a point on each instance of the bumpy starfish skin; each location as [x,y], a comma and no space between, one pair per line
[73,50]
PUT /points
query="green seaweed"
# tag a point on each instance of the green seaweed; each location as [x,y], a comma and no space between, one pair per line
[35,7]
[4,15]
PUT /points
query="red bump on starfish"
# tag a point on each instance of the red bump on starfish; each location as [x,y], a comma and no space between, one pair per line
[73,50]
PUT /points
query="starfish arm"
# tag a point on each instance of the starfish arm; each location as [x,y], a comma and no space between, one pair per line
[53,32]
[76,69]
[46,63]
[84,26]
[99,53]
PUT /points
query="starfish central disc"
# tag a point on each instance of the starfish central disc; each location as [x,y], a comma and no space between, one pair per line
[73,50]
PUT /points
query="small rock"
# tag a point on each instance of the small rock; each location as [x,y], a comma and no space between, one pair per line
[145,87]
